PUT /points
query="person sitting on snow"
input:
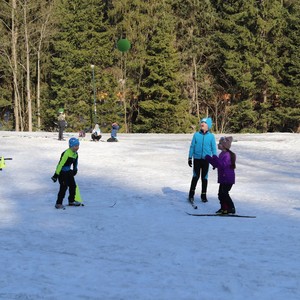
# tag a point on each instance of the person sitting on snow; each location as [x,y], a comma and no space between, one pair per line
[113,134]
[96,133]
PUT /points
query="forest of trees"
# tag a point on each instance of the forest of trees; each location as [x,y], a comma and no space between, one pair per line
[237,61]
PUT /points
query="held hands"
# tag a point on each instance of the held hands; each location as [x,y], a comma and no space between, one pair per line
[190,162]
[212,160]
[54,177]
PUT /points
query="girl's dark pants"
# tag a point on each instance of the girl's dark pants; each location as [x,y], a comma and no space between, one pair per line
[199,165]
[224,197]
[66,180]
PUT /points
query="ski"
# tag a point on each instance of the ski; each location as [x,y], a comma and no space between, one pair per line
[2,163]
[193,204]
[63,207]
[219,215]
[113,204]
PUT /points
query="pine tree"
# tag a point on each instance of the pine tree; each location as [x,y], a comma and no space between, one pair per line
[81,42]
[287,117]
[251,35]
[6,105]
[195,27]
[160,108]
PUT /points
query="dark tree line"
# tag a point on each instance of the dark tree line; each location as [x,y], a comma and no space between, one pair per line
[237,61]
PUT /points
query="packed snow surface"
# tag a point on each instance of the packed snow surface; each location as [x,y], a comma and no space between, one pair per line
[133,239]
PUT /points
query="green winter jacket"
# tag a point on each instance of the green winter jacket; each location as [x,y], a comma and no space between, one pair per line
[67,159]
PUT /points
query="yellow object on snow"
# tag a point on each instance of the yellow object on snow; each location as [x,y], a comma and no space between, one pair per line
[2,163]
[77,194]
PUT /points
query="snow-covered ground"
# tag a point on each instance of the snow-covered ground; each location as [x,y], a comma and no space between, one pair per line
[146,246]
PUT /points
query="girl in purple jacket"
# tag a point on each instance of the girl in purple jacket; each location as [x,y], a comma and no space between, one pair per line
[226,175]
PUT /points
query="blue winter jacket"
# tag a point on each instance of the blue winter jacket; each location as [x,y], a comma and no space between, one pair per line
[114,131]
[203,144]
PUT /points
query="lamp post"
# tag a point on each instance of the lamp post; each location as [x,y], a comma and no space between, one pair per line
[124,45]
[94,90]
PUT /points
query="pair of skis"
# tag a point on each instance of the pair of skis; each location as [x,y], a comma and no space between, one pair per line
[77,199]
[215,215]
[2,162]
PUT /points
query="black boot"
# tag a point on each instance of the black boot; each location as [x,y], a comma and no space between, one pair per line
[203,197]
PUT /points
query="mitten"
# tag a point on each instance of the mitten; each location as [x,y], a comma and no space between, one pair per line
[190,162]
[54,177]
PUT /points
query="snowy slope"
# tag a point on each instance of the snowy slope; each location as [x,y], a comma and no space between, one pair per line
[146,246]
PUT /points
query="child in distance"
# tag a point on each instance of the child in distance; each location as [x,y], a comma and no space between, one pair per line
[226,175]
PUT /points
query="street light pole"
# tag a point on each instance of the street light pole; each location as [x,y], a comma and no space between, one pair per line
[94,89]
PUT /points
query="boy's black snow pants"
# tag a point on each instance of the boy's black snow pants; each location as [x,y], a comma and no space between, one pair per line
[66,180]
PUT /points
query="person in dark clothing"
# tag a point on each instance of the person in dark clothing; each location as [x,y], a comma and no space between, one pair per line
[226,174]
[65,174]
[61,124]
[203,143]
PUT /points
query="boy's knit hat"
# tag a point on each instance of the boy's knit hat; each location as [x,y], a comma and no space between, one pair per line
[208,121]
[73,142]
[226,141]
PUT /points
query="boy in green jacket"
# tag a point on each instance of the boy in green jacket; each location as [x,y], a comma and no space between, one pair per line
[65,174]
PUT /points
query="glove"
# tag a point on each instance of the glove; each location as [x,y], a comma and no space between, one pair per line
[54,177]
[74,172]
[190,162]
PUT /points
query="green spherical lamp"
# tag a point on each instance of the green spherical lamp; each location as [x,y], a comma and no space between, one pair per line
[123,45]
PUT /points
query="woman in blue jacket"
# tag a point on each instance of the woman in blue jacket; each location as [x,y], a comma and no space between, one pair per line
[203,143]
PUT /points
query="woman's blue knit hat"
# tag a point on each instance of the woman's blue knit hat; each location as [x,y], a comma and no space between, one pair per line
[73,142]
[208,121]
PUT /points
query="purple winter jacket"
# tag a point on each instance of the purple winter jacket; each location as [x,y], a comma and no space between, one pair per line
[225,172]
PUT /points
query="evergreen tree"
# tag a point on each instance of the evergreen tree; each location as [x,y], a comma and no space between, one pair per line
[6,105]
[81,42]
[251,35]
[287,111]
[129,19]
[160,107]
[236,60]
[195,27]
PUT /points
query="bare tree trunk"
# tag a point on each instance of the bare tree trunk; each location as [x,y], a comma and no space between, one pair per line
[14,40]
[38,90]
[265,97]
[28,89]
[39,50]
[196,87]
